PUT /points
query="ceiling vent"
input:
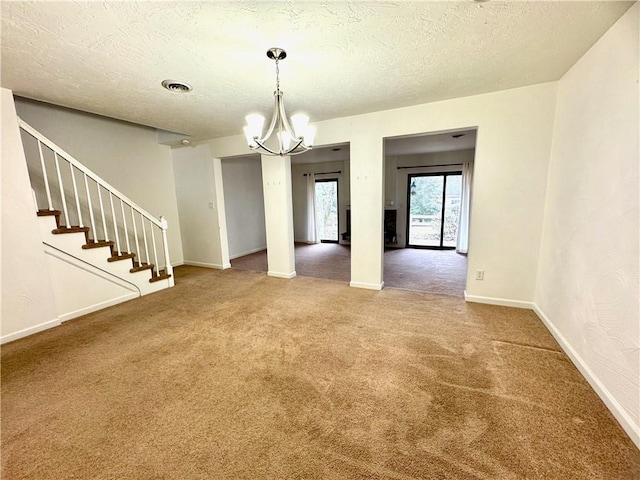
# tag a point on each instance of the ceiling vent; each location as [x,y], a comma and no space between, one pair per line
[178,87]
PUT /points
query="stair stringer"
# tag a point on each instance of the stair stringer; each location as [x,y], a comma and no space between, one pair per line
[71,244]
[80,288]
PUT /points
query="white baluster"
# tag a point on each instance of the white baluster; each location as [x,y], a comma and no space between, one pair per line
[115,224]
[135,237]
[155,251]
[64,200]
[144,233]
[94,233]
[126,230]
[75,193]
[104,217]
[46,178]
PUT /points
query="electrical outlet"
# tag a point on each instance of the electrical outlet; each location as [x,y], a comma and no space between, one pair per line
[211,205]
[479,274]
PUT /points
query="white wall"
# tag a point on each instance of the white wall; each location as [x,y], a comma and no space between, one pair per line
[510,173]
[27,298]
[299,188]
[99,289]
[199,207]
[244,205]
[124,154]
[587,288]
[398,178]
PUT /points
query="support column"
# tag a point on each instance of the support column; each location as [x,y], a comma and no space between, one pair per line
[278,216]
[367,211]
[221,213]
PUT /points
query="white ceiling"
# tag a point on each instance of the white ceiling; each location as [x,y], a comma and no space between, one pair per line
[345,57]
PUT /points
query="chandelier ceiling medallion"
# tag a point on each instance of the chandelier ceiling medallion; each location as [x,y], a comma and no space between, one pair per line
[290,141]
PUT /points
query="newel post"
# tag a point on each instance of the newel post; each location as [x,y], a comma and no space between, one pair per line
[168,268]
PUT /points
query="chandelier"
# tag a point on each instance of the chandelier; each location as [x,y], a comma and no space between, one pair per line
[289,141]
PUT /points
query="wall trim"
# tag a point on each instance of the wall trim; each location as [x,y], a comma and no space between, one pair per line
[248,252]
[368,286]
[30,331]
[503,302]
[217,266]
[612,404]
[281,275]
[98,306]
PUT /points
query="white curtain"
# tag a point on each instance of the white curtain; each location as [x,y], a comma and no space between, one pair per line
[462,241]
[312,228]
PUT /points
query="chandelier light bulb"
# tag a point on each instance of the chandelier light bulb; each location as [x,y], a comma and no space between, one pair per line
[255,124]
[285,139]
[310,136]
[248,134]
[300,123]
[290,140]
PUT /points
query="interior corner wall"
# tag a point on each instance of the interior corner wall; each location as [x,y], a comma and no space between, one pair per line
[124,154]
[587,285]
[198,207]
[27,297]
[299,189]
[244,205]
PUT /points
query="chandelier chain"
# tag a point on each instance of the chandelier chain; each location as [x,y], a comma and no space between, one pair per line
[277,76]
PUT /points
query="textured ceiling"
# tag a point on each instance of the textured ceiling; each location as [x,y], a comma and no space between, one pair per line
[345,58]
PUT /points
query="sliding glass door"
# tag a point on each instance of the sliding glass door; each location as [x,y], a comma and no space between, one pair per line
[434,208]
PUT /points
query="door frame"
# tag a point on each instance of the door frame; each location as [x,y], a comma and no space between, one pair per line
[408,219]
[337,180]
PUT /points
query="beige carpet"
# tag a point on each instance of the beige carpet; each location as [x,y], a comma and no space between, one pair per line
[321,260]
[434,271]
[235,375]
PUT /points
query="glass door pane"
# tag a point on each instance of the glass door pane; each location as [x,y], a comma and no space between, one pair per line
[327,210]
[451,210]
[425,210]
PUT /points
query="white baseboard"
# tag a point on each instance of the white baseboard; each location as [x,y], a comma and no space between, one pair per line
[281,275]
[30,331]
[248,252]
[217,266]
[612,404]
[504,302]
[368,286]
[98,306]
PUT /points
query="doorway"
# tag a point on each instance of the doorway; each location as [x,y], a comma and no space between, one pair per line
[327,221]
[434,209]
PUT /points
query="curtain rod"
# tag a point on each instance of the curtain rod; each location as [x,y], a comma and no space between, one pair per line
[423,166]
[321,173]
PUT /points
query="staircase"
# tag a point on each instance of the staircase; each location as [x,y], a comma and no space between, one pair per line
[122,242]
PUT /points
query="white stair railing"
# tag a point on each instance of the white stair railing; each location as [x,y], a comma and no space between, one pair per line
[123,230]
